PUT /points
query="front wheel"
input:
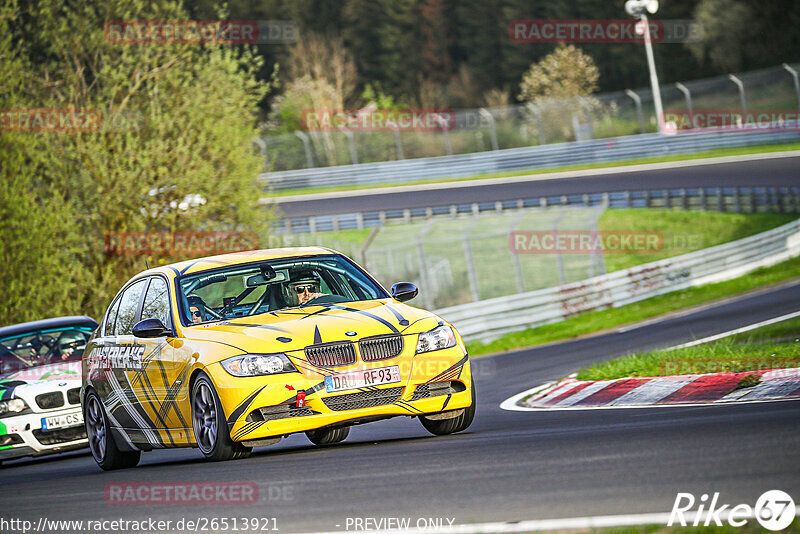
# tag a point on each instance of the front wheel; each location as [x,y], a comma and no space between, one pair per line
[441,427]
[209,424]
[328,436]
[104,449]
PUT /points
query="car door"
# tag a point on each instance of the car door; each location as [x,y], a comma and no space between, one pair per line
[162,377]
[123,357]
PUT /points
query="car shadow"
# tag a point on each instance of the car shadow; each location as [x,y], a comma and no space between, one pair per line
[40,460]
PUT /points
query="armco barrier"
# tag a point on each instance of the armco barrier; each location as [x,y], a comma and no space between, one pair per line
[488,319]
[756,199]
[533,157]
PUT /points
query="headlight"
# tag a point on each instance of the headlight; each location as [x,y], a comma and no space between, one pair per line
[441,337]
[258,364]
[12,407]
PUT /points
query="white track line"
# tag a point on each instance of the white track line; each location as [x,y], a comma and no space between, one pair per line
[736,331]
[531,177]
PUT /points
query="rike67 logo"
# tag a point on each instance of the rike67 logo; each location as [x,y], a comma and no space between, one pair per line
[774,510]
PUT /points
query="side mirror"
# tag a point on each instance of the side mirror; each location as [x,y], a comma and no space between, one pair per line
[151,328]
[404,291]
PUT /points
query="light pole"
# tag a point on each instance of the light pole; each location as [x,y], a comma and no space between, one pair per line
[639,10]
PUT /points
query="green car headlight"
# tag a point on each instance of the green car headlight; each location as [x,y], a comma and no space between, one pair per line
[258,364]
[12,407]
[441,337]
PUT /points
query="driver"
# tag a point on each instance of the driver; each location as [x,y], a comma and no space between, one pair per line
[304,287]
[197,309]
[68,343]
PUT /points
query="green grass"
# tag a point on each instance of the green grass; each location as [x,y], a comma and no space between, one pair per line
[782,331]
[723,356]
[683,231]
[637,311]
[621,163]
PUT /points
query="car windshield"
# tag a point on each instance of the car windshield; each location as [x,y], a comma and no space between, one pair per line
[42,347]
[244,290]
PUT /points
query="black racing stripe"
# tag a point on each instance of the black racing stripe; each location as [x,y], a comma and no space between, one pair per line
[402,320]
[202,260]
[407,407]
[172,392]
[153,401]
[237,413]
[446,401]
[247,429]
[457,365]
[317,336]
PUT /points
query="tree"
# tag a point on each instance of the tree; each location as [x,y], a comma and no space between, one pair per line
[174,152]
[726,31]
[565,73]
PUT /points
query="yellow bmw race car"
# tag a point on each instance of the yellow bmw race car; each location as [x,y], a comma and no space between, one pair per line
[234,351]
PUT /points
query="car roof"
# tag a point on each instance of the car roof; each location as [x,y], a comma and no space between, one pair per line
[237,258]
[42,324]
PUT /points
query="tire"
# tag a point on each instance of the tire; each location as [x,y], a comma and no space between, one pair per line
[328,436]
[101,442]
[209,425]
[443,427]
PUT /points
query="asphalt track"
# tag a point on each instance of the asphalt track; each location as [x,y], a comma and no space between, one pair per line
[508,466]
[782,171]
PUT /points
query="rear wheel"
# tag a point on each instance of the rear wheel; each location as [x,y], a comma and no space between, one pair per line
[104,449]
[328,436]
[209,424]
[441,427]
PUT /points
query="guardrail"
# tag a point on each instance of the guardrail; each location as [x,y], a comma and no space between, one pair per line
[732,199]
[513,159]
[527,310]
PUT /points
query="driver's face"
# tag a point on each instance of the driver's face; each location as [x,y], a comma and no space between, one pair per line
[196,315]
[305,292]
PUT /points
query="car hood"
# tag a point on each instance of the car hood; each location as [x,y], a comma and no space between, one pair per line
[297,328]
[28,383]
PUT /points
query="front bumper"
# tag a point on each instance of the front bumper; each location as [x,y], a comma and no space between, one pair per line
[27,438]
[432,383]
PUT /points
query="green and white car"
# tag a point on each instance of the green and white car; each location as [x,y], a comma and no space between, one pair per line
[40,382]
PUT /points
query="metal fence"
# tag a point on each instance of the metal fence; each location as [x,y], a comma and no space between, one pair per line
[514,159]
[465,259]
[526,310]
[609,115]
[731,199]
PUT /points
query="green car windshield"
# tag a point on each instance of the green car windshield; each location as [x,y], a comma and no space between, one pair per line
[245,290]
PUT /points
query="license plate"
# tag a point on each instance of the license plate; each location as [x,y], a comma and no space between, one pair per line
[62,421]
[362,378]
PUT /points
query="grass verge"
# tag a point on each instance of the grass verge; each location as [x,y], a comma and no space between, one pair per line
[774,346]
[621,163]
[683,231]
[600,320]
